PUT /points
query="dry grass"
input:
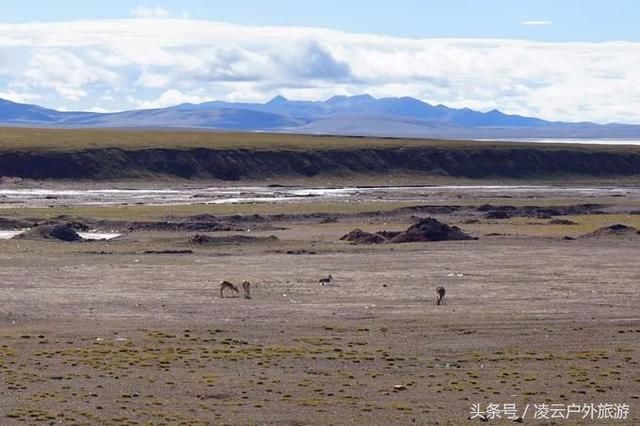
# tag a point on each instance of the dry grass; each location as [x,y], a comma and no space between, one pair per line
[54,139]
[29,139]
[524,226]
[142,212]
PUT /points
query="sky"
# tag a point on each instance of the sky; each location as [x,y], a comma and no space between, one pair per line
[559,60]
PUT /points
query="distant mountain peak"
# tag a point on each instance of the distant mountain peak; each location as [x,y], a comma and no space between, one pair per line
[363,97]
[279,99]
[355,98]
[8,102]
[336,98]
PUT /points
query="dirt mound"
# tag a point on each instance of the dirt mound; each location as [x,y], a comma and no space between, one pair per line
[361,237]
[10,223]
[204,226]
[490,208]
[430,229]
[429,209]
[74,223]
[300,252]
[231,239]
[562,222]
[498,214]
[330,219]
[168,252]
[77,226]
[388,234]
[425,230]
[539,212]
[203,218]
[616,231]
[62,232]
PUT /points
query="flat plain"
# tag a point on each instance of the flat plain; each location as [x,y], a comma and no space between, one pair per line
[134,331]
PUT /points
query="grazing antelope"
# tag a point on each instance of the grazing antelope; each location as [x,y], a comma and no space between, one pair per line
[326,280]
[226,285]
[246,286]
[441,292]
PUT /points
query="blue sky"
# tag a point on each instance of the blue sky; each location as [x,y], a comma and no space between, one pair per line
[559,60]
[572,20]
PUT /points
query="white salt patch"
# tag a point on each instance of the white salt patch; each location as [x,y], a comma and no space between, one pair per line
[98,235]
[6,235]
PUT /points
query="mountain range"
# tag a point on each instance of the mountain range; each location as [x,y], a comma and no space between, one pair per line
[340,115]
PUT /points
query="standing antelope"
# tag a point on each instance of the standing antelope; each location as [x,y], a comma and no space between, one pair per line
[246,286]
[226,285]
[441,292]
[325,280]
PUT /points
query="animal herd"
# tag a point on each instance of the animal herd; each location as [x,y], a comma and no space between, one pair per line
[226,285]
[246,288]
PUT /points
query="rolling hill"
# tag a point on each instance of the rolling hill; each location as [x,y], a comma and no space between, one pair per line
[339,115]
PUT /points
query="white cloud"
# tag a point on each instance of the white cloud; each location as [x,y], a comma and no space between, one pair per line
[71,93]
[536,23]
[65,72]
[169,98]
[158,62]
[152,80]
[99,110]
[22,97]
[150,12]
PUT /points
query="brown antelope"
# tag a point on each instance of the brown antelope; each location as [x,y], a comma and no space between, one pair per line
[246,286]
[326,280]
[226,285]
[441,292]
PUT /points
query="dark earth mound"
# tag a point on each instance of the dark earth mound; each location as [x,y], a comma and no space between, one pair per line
[61,232]
[330,219]
[168,252]
[299,252]
[430,229]
[388,234]
[429,209]
[11,223]
[361,237]
[616,231]
[562,222]
[490,208]
[425,230]
[539,212]
[498,214]
[231,239]
[171,226]
[78,226]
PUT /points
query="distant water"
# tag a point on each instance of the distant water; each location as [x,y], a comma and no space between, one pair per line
[50,197]
[603,141]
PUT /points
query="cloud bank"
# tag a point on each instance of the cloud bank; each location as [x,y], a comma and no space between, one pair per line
[157,60]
